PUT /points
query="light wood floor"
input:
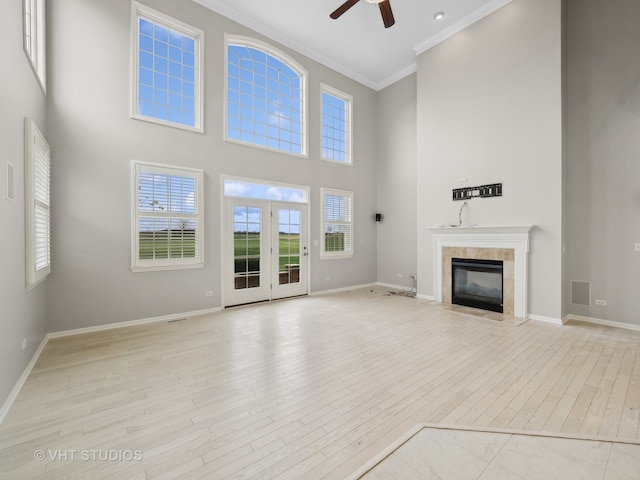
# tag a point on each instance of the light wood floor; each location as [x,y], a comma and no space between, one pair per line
[312,388]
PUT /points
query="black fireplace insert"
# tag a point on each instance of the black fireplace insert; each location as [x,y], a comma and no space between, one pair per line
[477,283]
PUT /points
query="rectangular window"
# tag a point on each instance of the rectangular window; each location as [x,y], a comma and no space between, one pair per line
[167,70]
[337,223]
[38,205]
[336,125]
[167,217]
[33,14]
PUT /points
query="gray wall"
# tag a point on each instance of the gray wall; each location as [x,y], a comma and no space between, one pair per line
[94,141]
[603,145]
[396,172]
[22,314]
[489,109]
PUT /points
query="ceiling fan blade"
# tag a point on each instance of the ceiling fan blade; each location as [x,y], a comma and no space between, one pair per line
[343,8]
[387,14]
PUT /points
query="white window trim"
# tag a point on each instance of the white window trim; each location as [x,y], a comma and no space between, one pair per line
[37,159]
[283,57]
[324,88]
[138,10]
[35,46]
[336,255]
[145,265]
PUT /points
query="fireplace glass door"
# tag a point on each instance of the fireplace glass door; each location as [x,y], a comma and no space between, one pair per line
[477,283]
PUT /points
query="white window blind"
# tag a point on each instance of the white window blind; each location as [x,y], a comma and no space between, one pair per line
[38,205]
[336,125]
[33,13]
[168,217]
[337,223]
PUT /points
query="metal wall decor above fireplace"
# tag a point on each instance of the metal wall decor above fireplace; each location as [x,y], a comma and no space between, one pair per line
[477,283]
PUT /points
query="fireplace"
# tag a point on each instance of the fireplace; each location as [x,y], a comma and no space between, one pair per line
[508,244]
[477,283]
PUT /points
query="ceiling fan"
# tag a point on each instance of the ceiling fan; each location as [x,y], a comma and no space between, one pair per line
[385,10]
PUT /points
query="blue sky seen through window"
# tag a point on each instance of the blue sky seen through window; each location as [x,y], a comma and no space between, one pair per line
[264,100]
[334,128]
[265,192]
[166,74]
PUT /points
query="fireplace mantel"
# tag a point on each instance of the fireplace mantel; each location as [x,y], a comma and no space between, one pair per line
[514,237]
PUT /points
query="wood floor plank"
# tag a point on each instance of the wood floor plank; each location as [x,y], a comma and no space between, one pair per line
[309,388]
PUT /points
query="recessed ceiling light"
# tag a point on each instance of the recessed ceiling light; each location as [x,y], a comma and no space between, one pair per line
[438,16]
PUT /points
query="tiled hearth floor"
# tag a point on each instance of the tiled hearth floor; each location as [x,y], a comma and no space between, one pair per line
[455,454]
[310,388]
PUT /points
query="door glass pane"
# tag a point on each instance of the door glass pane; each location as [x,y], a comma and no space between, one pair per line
[246,246]
[289,246]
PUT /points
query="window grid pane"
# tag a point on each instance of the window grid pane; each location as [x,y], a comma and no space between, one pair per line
[264,100]
[34,37]
[335,128]
[167,70]
[247,246]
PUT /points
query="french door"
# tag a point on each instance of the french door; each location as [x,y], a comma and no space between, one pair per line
[265,251]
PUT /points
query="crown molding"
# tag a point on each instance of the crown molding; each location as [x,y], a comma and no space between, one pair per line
[245,20]
[460,25]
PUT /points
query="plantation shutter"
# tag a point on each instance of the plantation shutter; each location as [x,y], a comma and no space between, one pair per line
[337,223]
[168,217]
[42,205]
[38,191]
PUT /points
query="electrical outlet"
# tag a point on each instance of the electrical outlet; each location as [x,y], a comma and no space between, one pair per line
[399,275]
[601,302]
[463,179]
[24,343]
[209,293]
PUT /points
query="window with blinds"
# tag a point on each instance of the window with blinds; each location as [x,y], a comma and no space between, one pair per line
[167,83]
[336,125]
[168,217]
[38,205]
[33,15]
[337,223]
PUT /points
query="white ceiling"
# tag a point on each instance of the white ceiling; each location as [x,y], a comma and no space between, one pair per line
[357,44]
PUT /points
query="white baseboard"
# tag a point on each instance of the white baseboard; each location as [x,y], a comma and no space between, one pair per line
[343,289]
[8,403]
[600,321]
[393,287]
[426,297]
[542,318]
[110,326]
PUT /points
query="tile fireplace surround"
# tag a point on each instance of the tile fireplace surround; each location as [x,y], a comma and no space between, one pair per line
[507,243]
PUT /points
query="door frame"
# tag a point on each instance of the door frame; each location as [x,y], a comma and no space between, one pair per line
[224,239]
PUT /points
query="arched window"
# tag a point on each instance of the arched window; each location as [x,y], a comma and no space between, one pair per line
[265,97]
